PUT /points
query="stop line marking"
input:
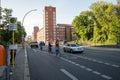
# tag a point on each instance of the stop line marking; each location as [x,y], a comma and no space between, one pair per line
[86,68]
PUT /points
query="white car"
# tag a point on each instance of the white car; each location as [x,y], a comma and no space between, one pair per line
[72,48]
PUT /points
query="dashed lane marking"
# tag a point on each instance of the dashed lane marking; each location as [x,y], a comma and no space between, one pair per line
[87,69]
[106,77]
[68,74]
[95,72]
[82,57]
[101,62]
[115,66]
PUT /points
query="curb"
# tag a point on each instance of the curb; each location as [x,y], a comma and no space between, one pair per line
[2,72]
[26,67]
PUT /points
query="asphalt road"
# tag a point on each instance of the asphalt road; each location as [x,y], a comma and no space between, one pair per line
[93,64]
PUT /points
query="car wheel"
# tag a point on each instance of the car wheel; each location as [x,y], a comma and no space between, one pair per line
[71,51]
[64,50]
[81,52]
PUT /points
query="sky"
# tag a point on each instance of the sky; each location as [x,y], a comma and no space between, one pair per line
[66,10]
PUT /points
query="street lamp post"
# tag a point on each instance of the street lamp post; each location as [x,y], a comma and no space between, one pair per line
[27,14]
[0,18]
[0,12]
[23,26]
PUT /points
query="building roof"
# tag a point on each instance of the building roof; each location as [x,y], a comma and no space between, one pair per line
[66,25]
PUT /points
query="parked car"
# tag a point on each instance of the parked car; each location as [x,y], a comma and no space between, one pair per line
[72,48]
[34,45]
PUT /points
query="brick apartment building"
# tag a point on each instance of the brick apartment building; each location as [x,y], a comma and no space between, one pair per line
[47,33]
[34,34]
[50,31]
[64,32]
[41,35]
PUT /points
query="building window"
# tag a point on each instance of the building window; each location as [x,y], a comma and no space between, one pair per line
[46,13]
[46,21]
[54,13]
[46,18]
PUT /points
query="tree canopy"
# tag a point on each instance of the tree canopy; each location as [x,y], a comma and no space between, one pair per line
[5,33]
[100,24]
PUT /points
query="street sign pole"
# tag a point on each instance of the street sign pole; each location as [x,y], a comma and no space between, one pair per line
[23,41]
[13,50]
[13,27]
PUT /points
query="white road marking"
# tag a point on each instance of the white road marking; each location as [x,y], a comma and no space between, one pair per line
[95,72]
[68,74]
[34,50]
[115,66]
[94,60]
[105,76]
[101,62]
[107,63]
[82,66]
[86,68]
[26,68]
[77,64]
[73,62]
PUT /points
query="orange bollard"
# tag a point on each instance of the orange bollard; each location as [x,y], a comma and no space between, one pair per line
[2,56]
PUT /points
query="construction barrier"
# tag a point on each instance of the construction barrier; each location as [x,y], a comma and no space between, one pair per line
[2,55]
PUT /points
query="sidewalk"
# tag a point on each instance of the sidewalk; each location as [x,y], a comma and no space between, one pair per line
[21,70]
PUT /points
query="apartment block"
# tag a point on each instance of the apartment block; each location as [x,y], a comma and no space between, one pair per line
[47,33]
[34,35]
[64,32]
[50,31]
[41,35]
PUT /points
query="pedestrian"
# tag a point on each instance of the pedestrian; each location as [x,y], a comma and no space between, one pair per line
[49,47]
[13,50]
[57,47]
[41,44]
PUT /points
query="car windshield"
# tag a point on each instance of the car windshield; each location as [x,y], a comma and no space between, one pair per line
[74,45]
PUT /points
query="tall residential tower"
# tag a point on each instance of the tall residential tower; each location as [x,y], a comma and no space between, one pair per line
[52,31]
[49,23]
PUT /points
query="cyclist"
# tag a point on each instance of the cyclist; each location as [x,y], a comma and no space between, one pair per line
[57,47]
[41,44]
[49,47]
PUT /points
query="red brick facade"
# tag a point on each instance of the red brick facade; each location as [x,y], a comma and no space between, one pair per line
[49,24]
[34,37]
[64,32]
[50,31]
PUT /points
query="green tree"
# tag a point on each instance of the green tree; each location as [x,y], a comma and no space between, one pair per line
[106,16]
[100,24]
[6,35]
[83,24]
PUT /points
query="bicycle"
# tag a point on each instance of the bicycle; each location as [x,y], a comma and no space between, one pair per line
[41,48]
[49,49]
[57,51]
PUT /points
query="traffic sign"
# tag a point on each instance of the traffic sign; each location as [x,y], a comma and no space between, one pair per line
[12,23]
[13,20]
[12,27]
